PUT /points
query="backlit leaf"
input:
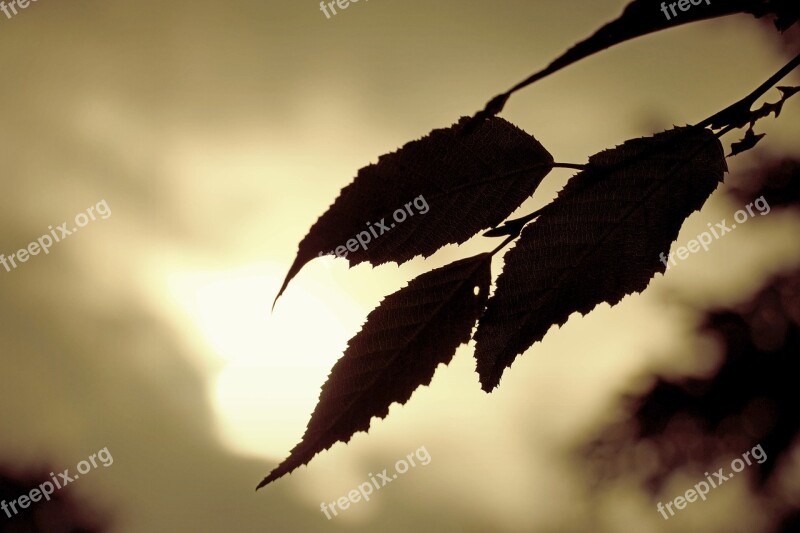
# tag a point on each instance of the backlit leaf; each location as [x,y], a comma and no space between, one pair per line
[439,190]
[403,341]
[599,241]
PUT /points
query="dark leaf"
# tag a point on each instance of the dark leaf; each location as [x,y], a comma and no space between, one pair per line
[770,107]
[642,17]
[749,141]
[468,183]
[599,241]
[403,341]
[788,92]
[774,107]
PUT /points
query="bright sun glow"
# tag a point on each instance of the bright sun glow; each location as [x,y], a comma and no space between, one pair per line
[272,363]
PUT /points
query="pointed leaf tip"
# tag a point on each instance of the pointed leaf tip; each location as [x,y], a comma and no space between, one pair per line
[402,343]
[439,190]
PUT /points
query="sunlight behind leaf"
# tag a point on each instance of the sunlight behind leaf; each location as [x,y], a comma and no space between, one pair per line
[271,364]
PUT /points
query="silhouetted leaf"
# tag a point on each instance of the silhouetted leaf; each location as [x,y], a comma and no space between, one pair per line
[749,141]
[788,92]
[642,17]
[403,341]
[773,107]
[598,241]
[470,183]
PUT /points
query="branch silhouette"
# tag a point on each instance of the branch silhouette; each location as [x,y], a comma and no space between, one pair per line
[598,241]
[642,17]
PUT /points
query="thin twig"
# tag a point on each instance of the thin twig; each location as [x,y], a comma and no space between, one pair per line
[738,114]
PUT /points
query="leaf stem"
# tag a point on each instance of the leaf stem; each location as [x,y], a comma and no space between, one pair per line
[503,244]
[732,117]
[722,132]
[513,227]
[569,165]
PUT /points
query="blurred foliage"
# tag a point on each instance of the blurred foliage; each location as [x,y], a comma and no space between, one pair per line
[62,514]
[751,398]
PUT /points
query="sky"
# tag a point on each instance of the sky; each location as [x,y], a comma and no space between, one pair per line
[215,134]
